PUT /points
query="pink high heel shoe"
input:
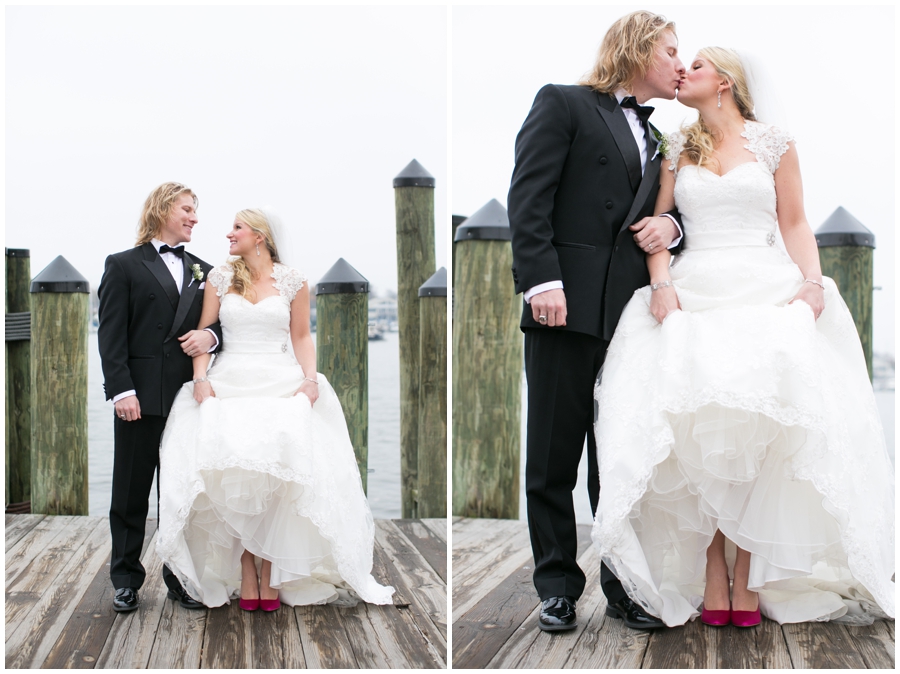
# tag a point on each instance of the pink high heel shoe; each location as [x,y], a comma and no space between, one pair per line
[715,618]
[249,604]
[270,604]
[746,618]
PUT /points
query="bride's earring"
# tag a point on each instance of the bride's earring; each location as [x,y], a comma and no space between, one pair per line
[257,245]
[720,105]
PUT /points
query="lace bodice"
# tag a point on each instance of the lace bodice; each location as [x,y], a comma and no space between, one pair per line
[743,198]
[266,321]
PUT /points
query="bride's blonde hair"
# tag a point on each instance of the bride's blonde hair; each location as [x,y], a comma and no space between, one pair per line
[699,142]
[257,221]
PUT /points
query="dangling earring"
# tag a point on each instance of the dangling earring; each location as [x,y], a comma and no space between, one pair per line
[257,245]
[720,99]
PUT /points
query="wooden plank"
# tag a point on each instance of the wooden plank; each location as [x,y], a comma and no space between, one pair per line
[275,639]
[325,641]
[737,648]
[226,641]
[19,525]
[430,545]
[368,650]
[607,643]
[690,646]
[771,646]
[875,643]
[130,641]
[384,572]
[429,592]
[52,536]
[387,637]
[179,636]
[29,642]
[821,646]
[438,526]
[85,634]
[473,536]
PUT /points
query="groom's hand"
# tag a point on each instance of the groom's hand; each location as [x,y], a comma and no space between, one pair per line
[654,234]
[552,304]
[128,409]
[196,342]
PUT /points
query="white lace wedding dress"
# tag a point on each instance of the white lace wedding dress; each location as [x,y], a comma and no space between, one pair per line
[257,468]
[742,412]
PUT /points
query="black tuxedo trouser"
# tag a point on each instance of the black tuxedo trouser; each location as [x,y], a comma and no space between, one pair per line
[561,368]
[136,461]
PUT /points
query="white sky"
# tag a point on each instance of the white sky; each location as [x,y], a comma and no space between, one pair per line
[833,68]
[311,110]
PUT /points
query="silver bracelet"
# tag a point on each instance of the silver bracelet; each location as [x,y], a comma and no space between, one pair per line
[200,380]
[657,286]
[312,380]
[809,280]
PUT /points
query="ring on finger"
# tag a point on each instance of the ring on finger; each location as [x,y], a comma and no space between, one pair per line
[542,319]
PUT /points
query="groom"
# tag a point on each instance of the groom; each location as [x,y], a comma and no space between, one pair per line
[582,193]
[150,299]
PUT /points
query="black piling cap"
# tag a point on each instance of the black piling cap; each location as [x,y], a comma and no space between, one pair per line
[18,252]
[59,277]
[414,175]
[842,229]
[436,286]
[342,278]
[488,223]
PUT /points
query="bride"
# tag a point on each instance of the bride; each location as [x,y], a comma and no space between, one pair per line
[260,492]
[737,432]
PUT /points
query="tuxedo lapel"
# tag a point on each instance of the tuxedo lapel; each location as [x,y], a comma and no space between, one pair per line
[621,132]
[651,178]
[158,268]
[188,292]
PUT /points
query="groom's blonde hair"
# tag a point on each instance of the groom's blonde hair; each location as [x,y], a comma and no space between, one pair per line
[626,52]
[156,209]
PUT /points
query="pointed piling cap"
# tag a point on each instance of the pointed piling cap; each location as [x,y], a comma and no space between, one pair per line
[436,286]
[342,278]
[414,175]
[842,229]
[59,277]
[488,223]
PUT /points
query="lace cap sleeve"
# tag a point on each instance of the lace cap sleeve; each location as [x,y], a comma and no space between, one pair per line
[767,142]
[221,278]
[674,146]
[288,280]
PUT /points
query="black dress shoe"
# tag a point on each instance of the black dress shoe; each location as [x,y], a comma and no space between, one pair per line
[557,614]
[126,599]
[633,615]
[184,599]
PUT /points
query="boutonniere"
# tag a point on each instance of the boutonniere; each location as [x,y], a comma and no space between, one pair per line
[662,142]
[197,274]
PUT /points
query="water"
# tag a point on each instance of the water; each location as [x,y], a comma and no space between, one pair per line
[583,514]
[384,431]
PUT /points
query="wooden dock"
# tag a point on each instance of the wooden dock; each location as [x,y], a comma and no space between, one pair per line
[59,608]
[495,612]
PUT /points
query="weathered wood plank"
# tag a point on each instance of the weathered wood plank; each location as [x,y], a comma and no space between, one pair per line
[387,637]
[52,537]
[85,634]
[607,643]
[438,526]
[875,643]
[430,545]
[325,641]
[19,525]
[383,571]
[736,647]
[29,642]
[428,591]
[690,646]
[771,646]
[369,651]
[275,640]
[472,535]
[821,646]
[179,636]
[226,640]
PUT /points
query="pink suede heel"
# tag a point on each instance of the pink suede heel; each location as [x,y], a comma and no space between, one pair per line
[270,604]
[715,618]
[249,604]
[746,618]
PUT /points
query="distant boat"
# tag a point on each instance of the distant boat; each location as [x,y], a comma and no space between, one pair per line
[375,332]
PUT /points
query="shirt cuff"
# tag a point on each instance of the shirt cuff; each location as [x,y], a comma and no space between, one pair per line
[680,236]
[542,288]
[123,395]
[215,337]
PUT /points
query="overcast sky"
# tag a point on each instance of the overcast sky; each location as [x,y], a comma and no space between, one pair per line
[310,110]
[833,69]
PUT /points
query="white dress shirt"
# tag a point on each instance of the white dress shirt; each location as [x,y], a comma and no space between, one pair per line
[640,137]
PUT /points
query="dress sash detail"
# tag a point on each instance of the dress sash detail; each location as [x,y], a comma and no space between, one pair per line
[728,239]
[255,347]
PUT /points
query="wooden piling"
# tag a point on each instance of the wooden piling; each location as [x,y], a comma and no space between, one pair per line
[487,369]
[342,350]
[431,496]
[846,252]
[18,378]
[414,205]
[59,467]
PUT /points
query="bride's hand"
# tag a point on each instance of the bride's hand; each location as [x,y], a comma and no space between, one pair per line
[310,389]
[663,301]
[202,391]
[814,296]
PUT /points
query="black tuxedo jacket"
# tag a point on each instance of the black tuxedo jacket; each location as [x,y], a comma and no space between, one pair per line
[575,189]
[141,316]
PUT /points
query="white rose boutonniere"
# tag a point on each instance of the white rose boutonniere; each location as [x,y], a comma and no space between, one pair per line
[197,274]
[662,142]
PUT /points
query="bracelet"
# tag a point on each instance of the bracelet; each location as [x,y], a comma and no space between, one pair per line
[312,380]
[809,280]
[657,286]
[200,380]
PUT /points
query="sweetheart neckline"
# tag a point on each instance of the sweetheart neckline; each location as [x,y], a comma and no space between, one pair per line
[252,304]
[727,173]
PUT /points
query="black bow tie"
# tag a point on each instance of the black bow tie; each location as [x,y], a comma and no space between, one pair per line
[168,249]
[643,111]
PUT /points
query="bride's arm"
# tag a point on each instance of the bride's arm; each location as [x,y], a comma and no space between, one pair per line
[795,230]
[209,315]
[663,301]
[304,348]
